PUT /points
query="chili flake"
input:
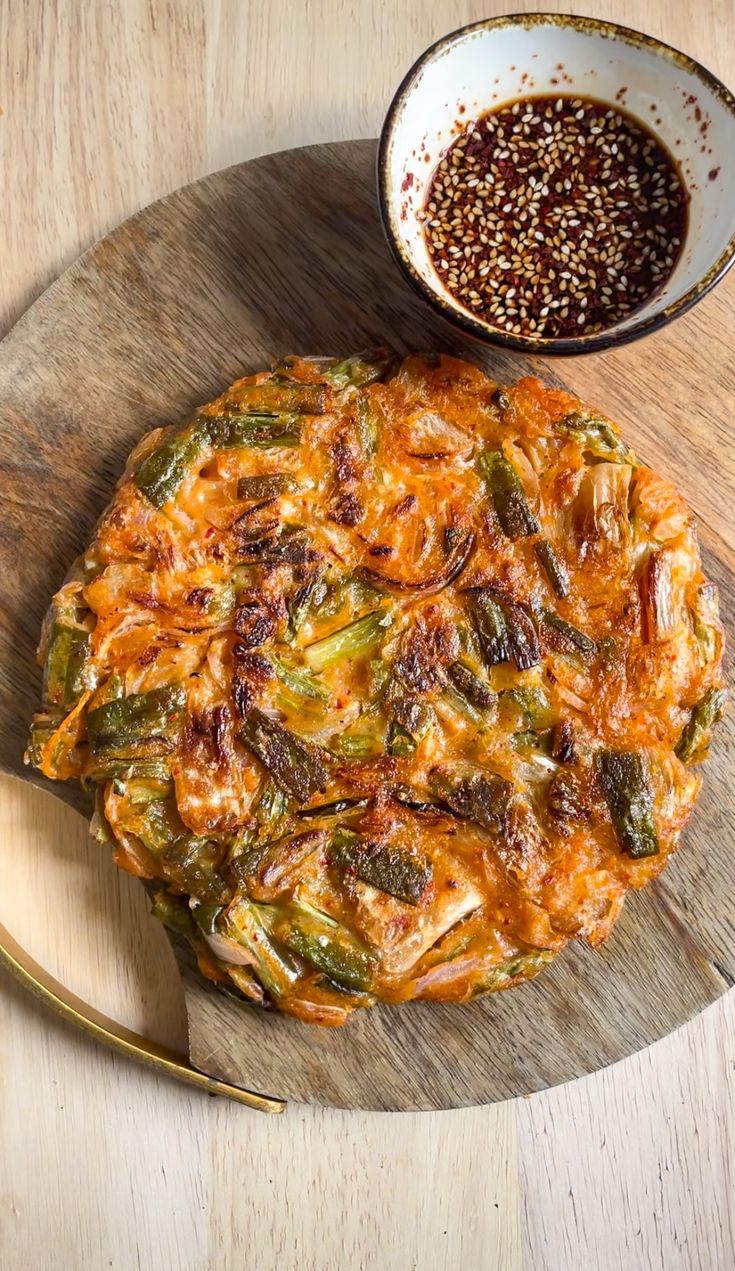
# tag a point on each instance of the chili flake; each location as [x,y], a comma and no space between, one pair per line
[555,216]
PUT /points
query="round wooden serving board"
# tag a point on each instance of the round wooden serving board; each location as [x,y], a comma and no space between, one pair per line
[285,254]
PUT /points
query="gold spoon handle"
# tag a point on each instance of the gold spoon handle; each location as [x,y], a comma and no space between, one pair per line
[28,972]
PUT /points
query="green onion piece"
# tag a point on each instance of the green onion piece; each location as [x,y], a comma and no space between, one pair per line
[290,546]
[283,369]
[187,860]
[629,800]
[505,630]
[554,568]
[522,966]
[334,599]
[307,596]
[159,827]
[355,745]
[457,702]
[504,484]
[316,937]
[705,614]
[251,925]
[270,806]
[707,640]
[379,676]
[704,716]
[346,966]
[475,795]
[173,912]
[270,809]
[275,397]
[563,636]
[368,425]
[297,766]
[596,434]
[206,915]
[410,722]
[300,682]
[471,687]
[384,865]
[99,827]
[246,861]
[349,642]
[468,642]
[141,720]
[361,369]
[161,473]
[66,662]
[400,743]
[140,790]
[309,710]
[110,768]
[531,702]
[42,730]
[266,486]
[491,626]
[261,432]
[528,740]
[217,602]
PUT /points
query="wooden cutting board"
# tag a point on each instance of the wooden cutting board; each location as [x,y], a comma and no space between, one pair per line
[285,254]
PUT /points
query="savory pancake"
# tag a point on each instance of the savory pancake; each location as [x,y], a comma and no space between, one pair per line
[388,678]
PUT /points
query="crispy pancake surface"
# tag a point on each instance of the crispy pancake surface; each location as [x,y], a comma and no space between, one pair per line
[389,679]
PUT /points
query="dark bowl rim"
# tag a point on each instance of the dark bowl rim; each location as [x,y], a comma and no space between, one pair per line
[529,344]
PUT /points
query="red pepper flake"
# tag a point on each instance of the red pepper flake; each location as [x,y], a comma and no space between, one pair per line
[713,174]
[407,182]
[555,216]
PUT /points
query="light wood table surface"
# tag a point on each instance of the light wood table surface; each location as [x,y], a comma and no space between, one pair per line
[106,107]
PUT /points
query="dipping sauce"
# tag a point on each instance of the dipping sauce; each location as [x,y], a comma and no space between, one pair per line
[555,216]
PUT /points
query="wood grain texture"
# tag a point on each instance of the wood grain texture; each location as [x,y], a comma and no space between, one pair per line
[105,108]
[162,314]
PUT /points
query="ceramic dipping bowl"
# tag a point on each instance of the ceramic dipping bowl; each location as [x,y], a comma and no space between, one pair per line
[480,67]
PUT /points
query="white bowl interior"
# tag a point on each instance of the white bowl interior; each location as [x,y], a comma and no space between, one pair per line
[481,69]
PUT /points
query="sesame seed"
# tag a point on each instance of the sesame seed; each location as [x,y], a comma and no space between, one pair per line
[537,214]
